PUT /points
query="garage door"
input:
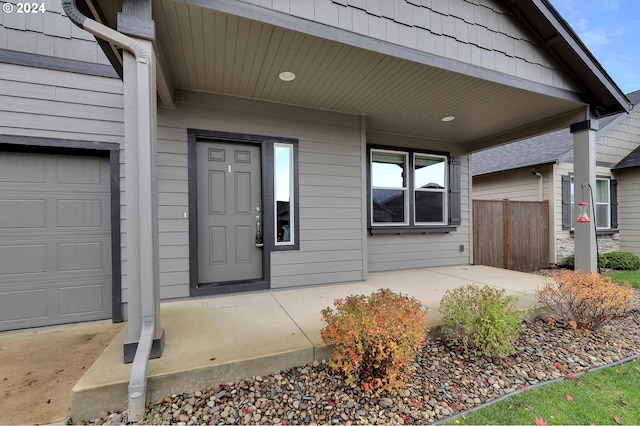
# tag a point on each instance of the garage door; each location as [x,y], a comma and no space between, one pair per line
[55,240]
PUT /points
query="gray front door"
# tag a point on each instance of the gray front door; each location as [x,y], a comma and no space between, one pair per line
[229,199]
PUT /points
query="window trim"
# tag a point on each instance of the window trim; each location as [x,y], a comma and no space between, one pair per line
[405,189]
[195,136]
[293,229]
[443,191]
[449,224]
[592,208]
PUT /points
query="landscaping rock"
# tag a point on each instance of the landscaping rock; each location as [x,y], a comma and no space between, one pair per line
[444,382]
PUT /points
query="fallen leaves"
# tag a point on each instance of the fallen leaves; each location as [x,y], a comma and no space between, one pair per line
[540,421]
[568,397]
[617,420]
[212,359]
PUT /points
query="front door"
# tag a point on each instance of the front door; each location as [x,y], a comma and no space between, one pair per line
[229,208]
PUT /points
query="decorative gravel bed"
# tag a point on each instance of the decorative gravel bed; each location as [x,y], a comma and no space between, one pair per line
[443,383]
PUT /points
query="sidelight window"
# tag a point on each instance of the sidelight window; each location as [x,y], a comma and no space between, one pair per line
[284,197]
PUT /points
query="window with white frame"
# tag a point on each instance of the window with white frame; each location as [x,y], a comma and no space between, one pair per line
[407,188]
[604,207]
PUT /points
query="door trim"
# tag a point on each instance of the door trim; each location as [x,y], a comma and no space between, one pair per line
[265,142]
[32,144]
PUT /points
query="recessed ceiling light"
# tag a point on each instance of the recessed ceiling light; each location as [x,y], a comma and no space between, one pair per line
[287,76]
[448,118]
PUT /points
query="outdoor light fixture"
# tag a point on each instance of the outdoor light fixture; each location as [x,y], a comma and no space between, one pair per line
[583,217]
[287,76]
[448,118]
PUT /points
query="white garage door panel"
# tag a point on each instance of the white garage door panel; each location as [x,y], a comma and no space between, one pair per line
[55,239]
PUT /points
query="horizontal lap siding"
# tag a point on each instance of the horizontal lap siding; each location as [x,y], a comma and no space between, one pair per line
[520,185]
[173,201]
[628,208]
[35,102]
[483,33]
[329,187]
[63,105]
[405,251]
[330,216]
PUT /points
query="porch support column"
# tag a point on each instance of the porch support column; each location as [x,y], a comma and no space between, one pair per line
[584,184]
[140,123]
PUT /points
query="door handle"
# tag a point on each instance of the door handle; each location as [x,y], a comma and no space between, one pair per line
[259,242]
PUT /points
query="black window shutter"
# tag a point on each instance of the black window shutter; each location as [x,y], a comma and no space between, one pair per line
[455,215]
[566,202]
[614,204]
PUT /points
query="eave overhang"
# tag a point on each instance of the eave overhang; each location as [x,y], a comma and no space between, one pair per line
[206,46]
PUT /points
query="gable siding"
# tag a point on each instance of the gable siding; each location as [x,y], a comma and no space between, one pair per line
[628,208]
[329,187]
[481,33]
[50,33]
[391,252]
[618,139]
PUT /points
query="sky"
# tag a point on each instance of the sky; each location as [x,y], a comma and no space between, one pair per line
[611,31]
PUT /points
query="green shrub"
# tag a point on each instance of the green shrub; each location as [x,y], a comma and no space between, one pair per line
[481,320]
[619,260]
[376,338]
[584,301]
[570,262]
[622,261]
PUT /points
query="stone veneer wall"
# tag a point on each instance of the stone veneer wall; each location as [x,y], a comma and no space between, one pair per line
[565,246]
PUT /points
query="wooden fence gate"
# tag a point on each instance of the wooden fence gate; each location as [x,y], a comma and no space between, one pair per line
[511,234]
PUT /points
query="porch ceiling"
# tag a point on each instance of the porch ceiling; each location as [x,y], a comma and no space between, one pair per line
[205,50]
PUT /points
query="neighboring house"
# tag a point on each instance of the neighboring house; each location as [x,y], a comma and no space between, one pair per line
[541,168]
[271,144]
[627,172]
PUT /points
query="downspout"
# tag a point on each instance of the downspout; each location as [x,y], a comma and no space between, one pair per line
[138,378]
[540,183]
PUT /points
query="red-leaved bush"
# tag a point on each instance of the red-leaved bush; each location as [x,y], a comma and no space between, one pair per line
[376,338]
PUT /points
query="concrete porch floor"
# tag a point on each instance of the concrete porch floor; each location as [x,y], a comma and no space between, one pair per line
[226,338]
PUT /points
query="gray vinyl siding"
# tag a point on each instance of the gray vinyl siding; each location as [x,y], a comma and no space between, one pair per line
[518,185]
[481,33]
[330,187]
[50,33]
[58,104]
[628,208]
[391,251]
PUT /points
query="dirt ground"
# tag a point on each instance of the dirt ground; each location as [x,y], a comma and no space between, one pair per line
[39,367]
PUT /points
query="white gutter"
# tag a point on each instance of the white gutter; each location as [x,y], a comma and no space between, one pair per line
[138,378]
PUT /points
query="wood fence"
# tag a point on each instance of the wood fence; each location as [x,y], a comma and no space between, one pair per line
[511,234]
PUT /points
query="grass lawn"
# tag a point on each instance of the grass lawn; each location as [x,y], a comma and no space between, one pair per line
[631,277]
[608,396]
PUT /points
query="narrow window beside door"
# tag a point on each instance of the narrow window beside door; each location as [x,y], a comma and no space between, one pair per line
[284,199]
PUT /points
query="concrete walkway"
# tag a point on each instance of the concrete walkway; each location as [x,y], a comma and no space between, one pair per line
[230,337]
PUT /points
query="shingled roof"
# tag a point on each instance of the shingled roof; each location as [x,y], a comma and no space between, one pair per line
[554,147]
